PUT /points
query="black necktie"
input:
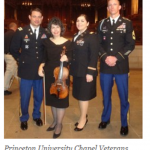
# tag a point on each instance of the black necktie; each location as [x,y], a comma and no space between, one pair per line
[34,33]
[113,22]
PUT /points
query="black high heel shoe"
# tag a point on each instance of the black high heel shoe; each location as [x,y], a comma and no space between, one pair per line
[57,135]
[51,128]
[80,129]
[76,124]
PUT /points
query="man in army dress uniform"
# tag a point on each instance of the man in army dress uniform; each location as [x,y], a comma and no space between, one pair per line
[117,41]
[29,40]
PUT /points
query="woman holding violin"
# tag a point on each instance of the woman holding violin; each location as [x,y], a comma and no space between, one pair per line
[84,68]
[54,67]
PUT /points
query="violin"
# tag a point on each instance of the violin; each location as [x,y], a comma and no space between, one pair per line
[59,87]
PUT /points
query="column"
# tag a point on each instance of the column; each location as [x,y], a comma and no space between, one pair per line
[15,14]
[4,10]
[134,7]
[96,15]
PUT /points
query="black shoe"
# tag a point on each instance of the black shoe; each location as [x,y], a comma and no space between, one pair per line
[24,125]
[124,130]
[38,122]
[56,135]
[7,92]
[103,125]
[80,129]
[76,124]
[50,128]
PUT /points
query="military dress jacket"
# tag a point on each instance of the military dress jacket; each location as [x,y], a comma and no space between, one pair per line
[85,55]
[117,40]
[28,51]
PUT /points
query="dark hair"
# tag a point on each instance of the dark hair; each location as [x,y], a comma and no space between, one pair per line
[56,21]
[35,9]
[85,16]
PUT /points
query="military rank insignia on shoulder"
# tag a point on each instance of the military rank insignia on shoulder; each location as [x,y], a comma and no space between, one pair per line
[133,35]
[126,18]
[91,33]
[20,28]
[75,34]
[46,29]
[103,20]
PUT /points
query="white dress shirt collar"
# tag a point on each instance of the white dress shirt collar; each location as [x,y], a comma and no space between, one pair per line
[37,30]
[111,19]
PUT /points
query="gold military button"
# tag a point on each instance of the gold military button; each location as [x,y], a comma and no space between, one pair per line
[111,43]
[37,57]
[111,49]
[112,32]
[111,38]
[23,62]
[37,52]
[36,47]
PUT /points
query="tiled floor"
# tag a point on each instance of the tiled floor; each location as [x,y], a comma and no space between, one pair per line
[12,124]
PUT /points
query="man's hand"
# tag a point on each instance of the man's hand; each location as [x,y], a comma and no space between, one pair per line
[111,61]
[41,70]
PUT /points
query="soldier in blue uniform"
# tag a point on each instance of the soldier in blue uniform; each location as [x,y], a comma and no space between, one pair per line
[117,41]
[29,41]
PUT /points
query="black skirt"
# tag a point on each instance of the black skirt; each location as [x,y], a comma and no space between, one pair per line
[82,90]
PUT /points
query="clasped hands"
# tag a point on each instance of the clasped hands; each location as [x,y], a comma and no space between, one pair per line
[111,61]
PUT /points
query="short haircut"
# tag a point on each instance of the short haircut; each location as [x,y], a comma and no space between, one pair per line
[12,25]
[85,16]
[36,9]
[117,0]
[55,21]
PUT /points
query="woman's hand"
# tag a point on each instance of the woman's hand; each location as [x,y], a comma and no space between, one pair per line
[41,70]
[63,58]
[89,78]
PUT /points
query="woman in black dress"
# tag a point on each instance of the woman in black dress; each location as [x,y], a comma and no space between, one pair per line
[53,49]
[84,68]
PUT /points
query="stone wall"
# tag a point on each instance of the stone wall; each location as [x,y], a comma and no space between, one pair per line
[135,58]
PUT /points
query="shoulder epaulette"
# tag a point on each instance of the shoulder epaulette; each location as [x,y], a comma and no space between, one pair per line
[102,20]
[126,18]
[75,33]
[91,32]
[20,28]
[46,29]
